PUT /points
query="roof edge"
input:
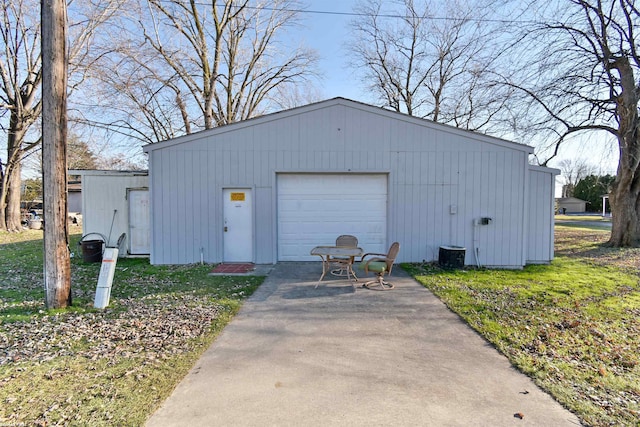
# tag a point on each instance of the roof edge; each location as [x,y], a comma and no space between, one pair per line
[545,169]
[104,172]
[335,101]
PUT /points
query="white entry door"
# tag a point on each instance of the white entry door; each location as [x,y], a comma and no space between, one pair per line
[139,221]
[238,225]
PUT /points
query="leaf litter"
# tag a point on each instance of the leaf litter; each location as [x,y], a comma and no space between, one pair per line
[159,328]
[83,366]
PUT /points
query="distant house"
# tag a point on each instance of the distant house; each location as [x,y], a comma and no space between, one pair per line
[571,205]
[271,188]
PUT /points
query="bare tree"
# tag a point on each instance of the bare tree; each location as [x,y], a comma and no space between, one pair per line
[192,65]
[21,76]
[585,79]
[79,154]
[119,162]
[430,61]
[573,171]
[291,96]
[20,69]
[135,97]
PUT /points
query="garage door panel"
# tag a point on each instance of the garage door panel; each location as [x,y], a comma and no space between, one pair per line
[314,209]
[328,227]
[350,184]
[366,207]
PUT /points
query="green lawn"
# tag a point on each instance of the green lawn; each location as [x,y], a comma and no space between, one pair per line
[573,326]
[83,366]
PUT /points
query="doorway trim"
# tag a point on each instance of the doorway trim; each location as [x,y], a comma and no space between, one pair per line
[238,224]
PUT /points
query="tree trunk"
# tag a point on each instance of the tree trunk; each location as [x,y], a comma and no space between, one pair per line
[14,189]
[57,265]
[11,185]
[626,188]
[3,202]
[625,205]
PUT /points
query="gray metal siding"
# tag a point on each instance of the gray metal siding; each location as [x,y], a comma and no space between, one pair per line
[429,169]
[485,184]
[74,201]
[101,195]
[541,222]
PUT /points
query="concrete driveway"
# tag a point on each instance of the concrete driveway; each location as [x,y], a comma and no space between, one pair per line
[335,356]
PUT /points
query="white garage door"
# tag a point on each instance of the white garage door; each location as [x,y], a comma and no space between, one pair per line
[315,209]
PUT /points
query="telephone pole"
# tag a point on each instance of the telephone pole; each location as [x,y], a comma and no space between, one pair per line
[57,263]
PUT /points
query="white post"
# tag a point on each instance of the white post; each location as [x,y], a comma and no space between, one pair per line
[107,270]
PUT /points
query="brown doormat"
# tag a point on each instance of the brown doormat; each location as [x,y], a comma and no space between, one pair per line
[227,268]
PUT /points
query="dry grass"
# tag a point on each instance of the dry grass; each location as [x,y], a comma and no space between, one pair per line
[589,245]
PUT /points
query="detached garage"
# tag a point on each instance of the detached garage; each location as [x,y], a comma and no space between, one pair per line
[571,205]
[271,188]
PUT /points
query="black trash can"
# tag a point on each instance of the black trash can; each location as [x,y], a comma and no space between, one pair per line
[451,256]
[91,250]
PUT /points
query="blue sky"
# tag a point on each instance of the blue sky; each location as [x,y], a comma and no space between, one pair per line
[327,34]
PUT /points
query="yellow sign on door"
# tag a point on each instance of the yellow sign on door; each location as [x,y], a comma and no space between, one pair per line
[237,197]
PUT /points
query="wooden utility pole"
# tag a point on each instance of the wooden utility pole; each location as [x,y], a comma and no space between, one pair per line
[57,263]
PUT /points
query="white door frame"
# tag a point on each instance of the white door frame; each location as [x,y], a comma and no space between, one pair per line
[238,224]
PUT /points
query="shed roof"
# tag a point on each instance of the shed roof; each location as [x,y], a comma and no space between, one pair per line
[570,200]
[101,172]
[545,169]
[333,102]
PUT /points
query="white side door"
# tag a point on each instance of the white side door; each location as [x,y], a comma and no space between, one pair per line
[238,225]
[139,221]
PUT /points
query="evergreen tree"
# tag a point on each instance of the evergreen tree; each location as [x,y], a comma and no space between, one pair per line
[592,188]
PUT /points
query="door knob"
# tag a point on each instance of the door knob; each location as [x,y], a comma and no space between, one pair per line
[226,229]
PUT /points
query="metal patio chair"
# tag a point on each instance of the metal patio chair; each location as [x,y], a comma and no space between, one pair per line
[380,264]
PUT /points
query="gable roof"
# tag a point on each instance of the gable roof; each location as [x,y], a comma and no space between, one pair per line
[329,103]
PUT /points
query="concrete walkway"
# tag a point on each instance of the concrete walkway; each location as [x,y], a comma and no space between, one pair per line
[599,224]
[332,356]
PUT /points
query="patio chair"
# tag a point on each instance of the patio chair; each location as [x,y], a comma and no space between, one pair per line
[344,263]
[380,264]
